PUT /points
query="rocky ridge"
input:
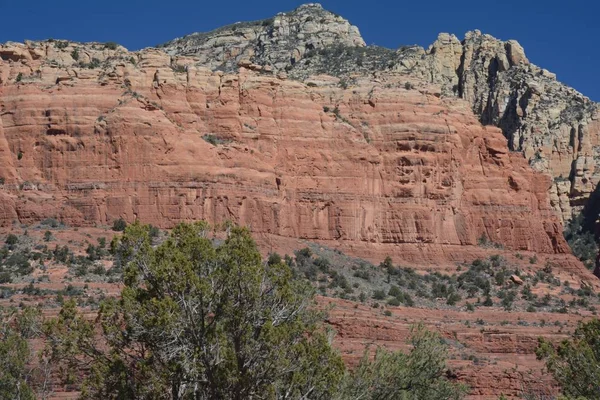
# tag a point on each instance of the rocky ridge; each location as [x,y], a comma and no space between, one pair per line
[277,42]
[150,136]
[553,126]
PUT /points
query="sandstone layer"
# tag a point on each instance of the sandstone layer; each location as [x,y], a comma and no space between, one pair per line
[150,137]
[556,128]
[492,351]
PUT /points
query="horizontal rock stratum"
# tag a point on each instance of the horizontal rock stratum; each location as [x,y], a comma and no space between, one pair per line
[555,127]
[144,136]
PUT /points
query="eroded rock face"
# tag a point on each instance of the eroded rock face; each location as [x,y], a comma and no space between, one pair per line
[380,164]
[376,163]
[553,126]
[277,42]
[505,362]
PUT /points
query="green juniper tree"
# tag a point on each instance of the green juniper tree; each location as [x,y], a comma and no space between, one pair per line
[195,321]
[575,363]
[15,354]
[418,374]
[199,322]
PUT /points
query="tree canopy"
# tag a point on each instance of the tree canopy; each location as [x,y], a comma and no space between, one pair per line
[16,376]
[197,320]
[575,363]
[418,374]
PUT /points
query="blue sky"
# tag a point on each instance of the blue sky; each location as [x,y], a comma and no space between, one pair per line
[561,36]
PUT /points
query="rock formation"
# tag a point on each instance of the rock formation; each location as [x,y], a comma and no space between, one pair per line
[553,126]
[143,135]
[278,42]
[294,127]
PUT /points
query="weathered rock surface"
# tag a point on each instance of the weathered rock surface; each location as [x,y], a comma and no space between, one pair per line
[553,126]
[495,357]
[277,42]
[376,163]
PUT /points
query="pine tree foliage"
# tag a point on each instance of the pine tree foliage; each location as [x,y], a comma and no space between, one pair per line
[575,363]
[195,321]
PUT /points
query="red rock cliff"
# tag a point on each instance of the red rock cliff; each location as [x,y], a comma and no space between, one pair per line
[373,163]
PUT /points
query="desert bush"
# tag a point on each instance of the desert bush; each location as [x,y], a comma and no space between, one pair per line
[61,44]
[11,240]
[51,222]
[5,277]
[18,263]
[61,254]
[582,240]
[394,302]
[214,139]
[15,354]
[119,225]
[575,362]
[453,298]
[419,374]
